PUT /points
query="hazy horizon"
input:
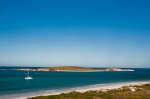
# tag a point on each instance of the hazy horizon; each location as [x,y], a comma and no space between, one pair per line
[10,66]
[74,32]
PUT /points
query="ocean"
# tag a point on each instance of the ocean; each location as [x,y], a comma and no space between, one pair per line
[13,83]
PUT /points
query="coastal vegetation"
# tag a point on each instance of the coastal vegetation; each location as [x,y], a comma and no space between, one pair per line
[126,92]
[73,68]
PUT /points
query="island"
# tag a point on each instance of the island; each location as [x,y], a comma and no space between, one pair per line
[76,69]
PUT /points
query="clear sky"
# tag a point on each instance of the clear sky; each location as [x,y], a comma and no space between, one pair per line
[75,32]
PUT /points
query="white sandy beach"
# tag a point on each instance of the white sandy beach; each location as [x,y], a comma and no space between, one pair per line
[111,86]
[96,87]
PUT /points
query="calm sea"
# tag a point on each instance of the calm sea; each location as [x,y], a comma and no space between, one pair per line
[12,81]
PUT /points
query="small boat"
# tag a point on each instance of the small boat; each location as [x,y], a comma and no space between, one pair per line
[28,77]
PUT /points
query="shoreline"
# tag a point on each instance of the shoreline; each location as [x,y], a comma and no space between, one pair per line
[96,87]
[99,87]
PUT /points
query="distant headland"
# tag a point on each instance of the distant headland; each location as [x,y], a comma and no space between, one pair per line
[75,69]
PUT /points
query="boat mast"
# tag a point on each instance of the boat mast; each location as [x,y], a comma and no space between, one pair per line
[28,72]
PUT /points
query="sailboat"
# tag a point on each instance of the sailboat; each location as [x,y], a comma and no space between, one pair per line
[28,77]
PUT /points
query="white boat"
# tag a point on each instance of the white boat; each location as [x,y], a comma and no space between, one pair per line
[28,77]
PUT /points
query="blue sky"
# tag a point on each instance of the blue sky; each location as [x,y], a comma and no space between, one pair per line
[75,32]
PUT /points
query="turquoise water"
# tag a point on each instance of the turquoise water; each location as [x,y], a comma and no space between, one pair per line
[12,81]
